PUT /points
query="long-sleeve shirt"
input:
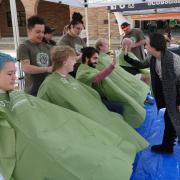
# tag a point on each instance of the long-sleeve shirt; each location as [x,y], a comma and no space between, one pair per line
[103,74]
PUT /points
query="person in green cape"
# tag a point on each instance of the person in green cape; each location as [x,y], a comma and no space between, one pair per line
[89,57]
[39,140]
[100,81]
[135,88]
[62,89]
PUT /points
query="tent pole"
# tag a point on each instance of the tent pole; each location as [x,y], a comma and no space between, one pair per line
[16,39]
[109,29]
[14,23]
[87,30]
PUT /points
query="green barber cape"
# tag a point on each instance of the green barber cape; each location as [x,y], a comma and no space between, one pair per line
[128,83]
[72,94]
[55,143]
[133,113]
[7,141]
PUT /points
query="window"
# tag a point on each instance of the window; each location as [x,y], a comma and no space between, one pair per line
[20,16]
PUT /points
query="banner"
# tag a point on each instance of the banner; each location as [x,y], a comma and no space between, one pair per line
[145,6]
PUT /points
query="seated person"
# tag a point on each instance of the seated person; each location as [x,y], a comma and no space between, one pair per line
[135,88]
[40,140]
[64,90]
[90,58]
[88,74]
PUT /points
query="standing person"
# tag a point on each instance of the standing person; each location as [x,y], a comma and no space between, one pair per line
[34,55]
[137,37]
[112,95]
[165,76]
[72,38]
[48,36]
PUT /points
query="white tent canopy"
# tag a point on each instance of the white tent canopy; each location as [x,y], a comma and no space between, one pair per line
[99,3]
[78,3]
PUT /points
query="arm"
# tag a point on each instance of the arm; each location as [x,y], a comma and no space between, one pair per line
[102,74]
[31,69]
[178,94]
[105,72]
[137,64]
[178,98]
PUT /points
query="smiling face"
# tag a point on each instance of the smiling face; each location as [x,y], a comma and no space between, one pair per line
[36,33]
[92,62]
[8,76]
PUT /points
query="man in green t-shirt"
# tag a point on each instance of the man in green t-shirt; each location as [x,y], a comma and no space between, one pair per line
[34,55]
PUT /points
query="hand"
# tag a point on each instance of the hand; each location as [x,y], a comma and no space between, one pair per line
[49,69]
[178,108]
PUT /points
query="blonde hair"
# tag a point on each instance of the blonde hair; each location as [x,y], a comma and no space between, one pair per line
[99,43]
[59,54]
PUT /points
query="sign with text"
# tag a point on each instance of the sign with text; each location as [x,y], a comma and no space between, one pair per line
[145,6]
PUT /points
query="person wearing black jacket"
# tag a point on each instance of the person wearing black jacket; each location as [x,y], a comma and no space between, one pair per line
[165,76]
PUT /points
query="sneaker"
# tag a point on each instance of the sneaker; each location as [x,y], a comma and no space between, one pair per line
[149,100]
[162,149]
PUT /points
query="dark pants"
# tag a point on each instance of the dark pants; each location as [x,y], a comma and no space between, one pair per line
[169,131]
[113,106]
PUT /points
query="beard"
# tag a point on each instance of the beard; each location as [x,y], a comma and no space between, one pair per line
[93,65]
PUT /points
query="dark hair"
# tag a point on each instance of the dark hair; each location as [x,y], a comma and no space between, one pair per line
[158,41]
[76,19]
[88,52]
[33,20]
[125,24]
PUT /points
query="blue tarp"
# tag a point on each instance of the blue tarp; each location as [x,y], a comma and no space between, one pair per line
[153,166]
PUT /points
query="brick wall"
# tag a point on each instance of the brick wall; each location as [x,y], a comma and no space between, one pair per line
[55,15]
[6,31]
[58,15]
[97,23]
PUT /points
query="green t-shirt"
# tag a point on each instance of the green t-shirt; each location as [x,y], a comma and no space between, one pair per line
[75,42]
[39,55]
[137,35]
